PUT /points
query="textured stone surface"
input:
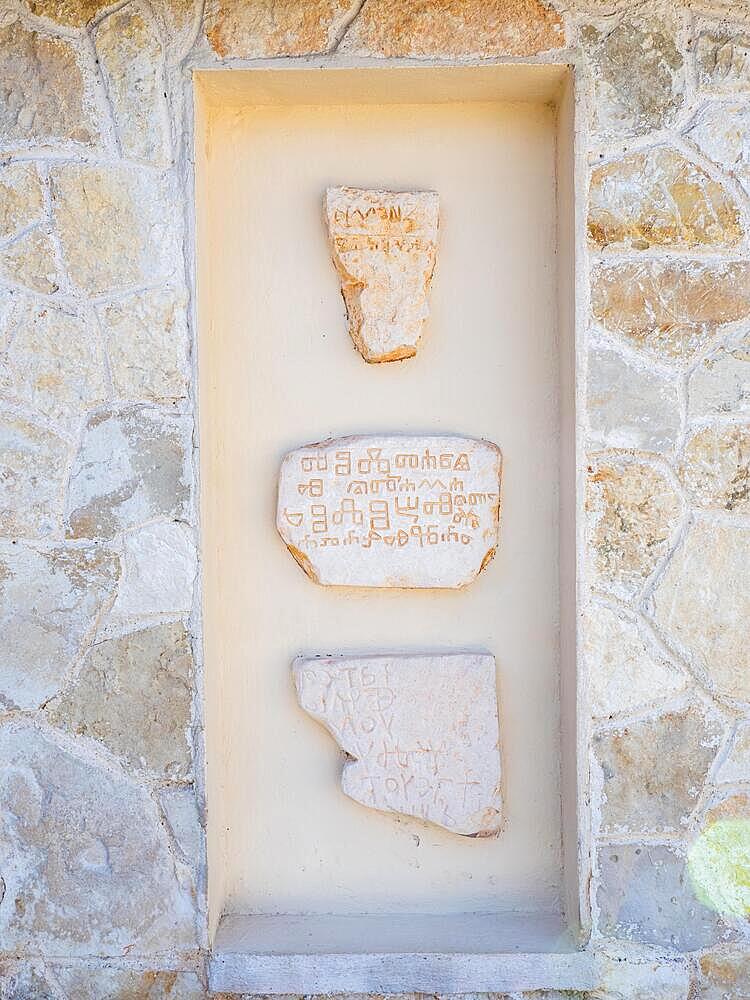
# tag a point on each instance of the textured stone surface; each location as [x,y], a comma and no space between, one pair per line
[723,62]
[130,984]
[147,341]
[721,131]
[391,510]
[637,73]
[384,245]
[133,694]
[25,980]
[50,600]
[624,671]
[132,467]
[30,261]
[652,771]
[670,309]
[181,811]
[725,973]
[84,857]
[45,91]
[735,763]
[54,363]
[33,464]
[71,13]
[645,895]
[21,198]
[719,858]
[715,468]
[629,406]
[633,513]
[702,604]
[422,729]
[131,56]
[258,28]
[455,28]
[117,225]
[660,198]
[721,382]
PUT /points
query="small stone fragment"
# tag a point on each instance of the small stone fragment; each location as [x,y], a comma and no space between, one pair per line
[181,812]
[384,245]
[30,261]
[21,198]
[625,673]
[134,695]
[423,731]
[721,382]
[638,75]
[33,464]
[132,59]
[715,468]
[132,467]
[477,28]
[633,513]
[260,28]
[723,62]
[735,765]
[721,132]
[391,510]
[50,603]
[659,198]
[84,856]
[670,309]
[702,604]
[45,90]
[653,771]
[630,406]
[148,344]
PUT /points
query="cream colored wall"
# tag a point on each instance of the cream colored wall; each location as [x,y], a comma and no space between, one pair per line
[277,370]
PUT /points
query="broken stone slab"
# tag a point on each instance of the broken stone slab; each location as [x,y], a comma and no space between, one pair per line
[422,730]
[384,245]
[391,510]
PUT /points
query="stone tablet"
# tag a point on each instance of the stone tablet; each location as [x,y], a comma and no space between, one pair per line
[423,731]
[391,510]
[384,245]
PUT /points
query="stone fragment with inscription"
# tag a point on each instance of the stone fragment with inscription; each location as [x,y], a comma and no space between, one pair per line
[384,245]
[422,731]
[391,510]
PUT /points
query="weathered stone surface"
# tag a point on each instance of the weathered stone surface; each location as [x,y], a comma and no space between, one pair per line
[132,59]
[24,980]
[54,363]
[715,468]
[719,858]
[181,812]
[624,672]
[132,467]
[98,983]
[45,93]
[50,601]
[84,857]
[391,510]
[148,344]
[652,772]
[659,198]
[160,564]
[645,895]
[21,198]
[721,132]
[71,13]
[257,28]
[384,245]
[637,73]
[630,406]
[721,382]
[702,604]
[636,972]
[134,695]
[117,225]
[735,764]
[423,731]
[723,62]
[633,513]
[33,463]
[30,261]
[670,309]
[725,973]
[450,28]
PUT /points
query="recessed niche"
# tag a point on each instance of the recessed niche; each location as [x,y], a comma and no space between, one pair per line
[310,891]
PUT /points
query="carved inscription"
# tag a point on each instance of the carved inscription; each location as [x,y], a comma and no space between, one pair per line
[423,731]
[384,245]
[391,511]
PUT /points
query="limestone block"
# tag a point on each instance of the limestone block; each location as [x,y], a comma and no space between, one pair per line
[734,766]
[723,62]
[715,468]
[180,810]
[391,510]
[721,132]
[719,858]
[30,261]
[725,973]
[422,730]
[258,28]
[21,198]
[99,982]
[721,382]
[34,463]
[384,245]
[72,13]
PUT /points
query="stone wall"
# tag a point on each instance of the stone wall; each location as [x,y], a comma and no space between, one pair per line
[102,857]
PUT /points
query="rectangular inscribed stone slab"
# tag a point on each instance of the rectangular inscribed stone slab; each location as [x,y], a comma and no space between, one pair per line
[391,510]
[423,731]
[384,245]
